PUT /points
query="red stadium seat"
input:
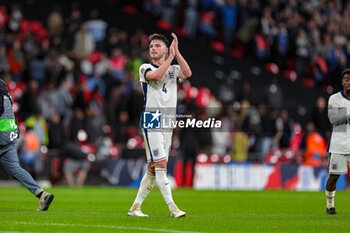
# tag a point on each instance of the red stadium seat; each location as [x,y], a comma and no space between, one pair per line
[164,25]
[131,10]
[218,46]
[181,31]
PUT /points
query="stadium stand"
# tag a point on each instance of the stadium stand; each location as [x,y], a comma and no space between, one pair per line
[80,60]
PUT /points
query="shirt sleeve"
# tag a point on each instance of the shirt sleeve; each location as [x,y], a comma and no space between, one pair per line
[177,70]
[144,68]
[336,114]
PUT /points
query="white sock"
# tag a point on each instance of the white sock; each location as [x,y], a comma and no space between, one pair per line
[145,188]
[330,199]
[164,185]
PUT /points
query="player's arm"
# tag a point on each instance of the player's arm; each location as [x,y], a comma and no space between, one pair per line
[185,70]
[160,71]
[337,115]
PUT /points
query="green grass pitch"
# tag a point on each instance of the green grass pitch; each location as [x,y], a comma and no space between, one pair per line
[103,209]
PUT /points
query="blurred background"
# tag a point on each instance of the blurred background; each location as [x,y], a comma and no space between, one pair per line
[265,68]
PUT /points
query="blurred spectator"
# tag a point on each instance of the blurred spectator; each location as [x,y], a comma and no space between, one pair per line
[29,45]
[190,147]
[133,64]
[267,130]
[169,11]
[84,43]
[268,25]
[274,95]
[251,126]
[15,59]
[30,150]
[226,92]
[319,117]
[4,66]
[39,125]
[123,42]
[65,100]
[76,165]
[135,105]
[204,135]
[239,146]
[262,47]
[73,25]
[15,18]
[121,129]
[191,18]
[48,100]
[282,45]
[77,123]
[94,125]
[229,21]
[97,29]
[284,129]
[337,57]
[206,25]
[153,7]
[55,23]
[96,83]
[314,146]
[302,53]
[28,99]
[81,93]
[56,133]
[3,16]
[139,42]
[117,63]
[246,94]
[37,69]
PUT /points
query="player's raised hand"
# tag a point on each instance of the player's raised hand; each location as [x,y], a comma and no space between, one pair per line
[172,51]
[176,42]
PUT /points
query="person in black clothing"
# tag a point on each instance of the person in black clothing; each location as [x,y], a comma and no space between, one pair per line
[319,116]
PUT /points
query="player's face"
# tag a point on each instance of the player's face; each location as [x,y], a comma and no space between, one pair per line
[346,83]
[157,49]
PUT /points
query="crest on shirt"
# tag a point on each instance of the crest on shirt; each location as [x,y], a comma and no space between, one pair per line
[142,70]
[334,166]
[171,75]
[155,152]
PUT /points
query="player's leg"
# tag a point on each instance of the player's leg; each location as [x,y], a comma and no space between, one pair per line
[148,180]
[162,179]
[337,166]
[146,186]
[165,189]
[330,193]
[9,160]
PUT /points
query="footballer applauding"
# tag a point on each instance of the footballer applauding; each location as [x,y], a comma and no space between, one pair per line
[159,83]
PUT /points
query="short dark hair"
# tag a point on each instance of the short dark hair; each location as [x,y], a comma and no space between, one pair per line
[160,37]
[344,72]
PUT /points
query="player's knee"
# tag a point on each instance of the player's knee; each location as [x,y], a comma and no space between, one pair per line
[334,178]
[150,167]
[161,164]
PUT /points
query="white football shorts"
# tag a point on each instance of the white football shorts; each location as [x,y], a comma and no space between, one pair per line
[157,144]
[338,164]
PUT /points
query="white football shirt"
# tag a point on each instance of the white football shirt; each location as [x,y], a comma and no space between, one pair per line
[339,113]
[160,94]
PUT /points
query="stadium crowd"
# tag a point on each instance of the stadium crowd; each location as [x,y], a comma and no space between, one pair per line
[74,80]
[310,37]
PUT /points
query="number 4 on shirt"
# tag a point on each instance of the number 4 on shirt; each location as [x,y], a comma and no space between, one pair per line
[164,88]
